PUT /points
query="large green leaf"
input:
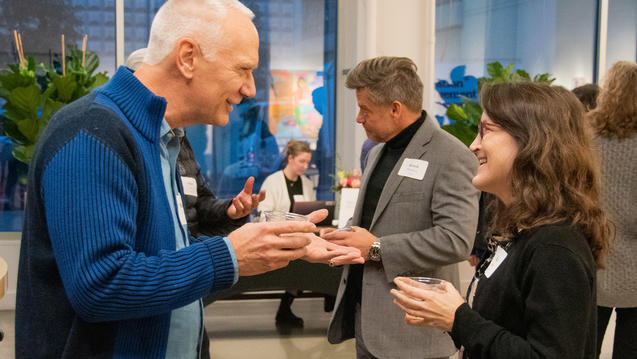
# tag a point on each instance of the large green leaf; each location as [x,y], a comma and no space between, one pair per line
[523,74]
[507,70]
[23,153]
[50,107]
[65,86]
[461,132]
[473,111]
[456,113]
[100,79]
[92,61]
[29,128]
[495,70]
[11,129]
[26,99]
[12,80]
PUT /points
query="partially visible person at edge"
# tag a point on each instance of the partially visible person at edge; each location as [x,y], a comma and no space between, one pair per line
[205,214]
[535,296]
[587,94]
[614,123]
[283,188]
[415,215]
[107,267]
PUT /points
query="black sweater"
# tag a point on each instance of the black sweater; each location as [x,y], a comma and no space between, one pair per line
[539,303]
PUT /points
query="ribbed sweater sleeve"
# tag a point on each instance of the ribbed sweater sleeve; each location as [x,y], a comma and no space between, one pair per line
[91,206]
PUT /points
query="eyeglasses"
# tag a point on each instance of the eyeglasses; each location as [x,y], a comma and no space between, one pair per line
[483,126]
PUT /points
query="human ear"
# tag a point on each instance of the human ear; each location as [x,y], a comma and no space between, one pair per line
[396,108]
[185,60]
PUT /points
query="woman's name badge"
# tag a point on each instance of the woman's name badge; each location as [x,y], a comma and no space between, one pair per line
[413,168]
[298,198]
[498,258]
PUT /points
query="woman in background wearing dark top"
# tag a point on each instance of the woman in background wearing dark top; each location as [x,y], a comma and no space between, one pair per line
[535,296]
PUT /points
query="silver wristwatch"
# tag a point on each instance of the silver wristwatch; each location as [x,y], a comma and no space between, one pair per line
[374,252]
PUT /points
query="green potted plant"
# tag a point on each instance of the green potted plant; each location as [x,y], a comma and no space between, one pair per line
[466,116]
[33,93]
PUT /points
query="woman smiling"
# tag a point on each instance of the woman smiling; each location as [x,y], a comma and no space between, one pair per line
[534,297]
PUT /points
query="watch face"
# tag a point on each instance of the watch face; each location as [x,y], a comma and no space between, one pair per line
[374,252]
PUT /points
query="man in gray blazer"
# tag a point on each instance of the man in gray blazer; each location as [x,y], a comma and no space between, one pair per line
[416,213]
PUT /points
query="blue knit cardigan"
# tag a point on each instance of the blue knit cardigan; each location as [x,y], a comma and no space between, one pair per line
[99,274]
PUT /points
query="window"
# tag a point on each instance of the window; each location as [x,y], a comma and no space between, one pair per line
[295,82]
[41,24]
[295,99]
[551,36]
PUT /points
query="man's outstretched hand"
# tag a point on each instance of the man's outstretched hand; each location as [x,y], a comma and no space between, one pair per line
[245,202]
[322,251]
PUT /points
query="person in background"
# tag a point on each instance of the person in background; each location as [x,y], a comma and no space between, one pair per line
[365,148]
[534,297]
[614,122]
[587,94]
[107,266]
[416,213]
[282,189]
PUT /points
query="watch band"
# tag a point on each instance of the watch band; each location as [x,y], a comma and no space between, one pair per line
[374,252]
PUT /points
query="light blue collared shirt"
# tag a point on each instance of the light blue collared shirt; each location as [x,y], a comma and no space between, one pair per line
[186,322]
[186,326]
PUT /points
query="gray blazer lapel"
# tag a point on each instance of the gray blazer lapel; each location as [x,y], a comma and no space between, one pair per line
[372,161]
[416,149]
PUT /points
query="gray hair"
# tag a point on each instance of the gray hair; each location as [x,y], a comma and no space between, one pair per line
[388,79]
[136,58]
[200,19]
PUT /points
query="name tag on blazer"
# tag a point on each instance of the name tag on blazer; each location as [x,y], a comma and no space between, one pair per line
[413,168]
[190,186]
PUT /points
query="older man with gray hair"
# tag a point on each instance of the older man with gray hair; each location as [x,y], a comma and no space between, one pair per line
[107,266]
[416,213]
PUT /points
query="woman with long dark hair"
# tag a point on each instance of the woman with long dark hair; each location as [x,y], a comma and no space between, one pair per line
[535,296]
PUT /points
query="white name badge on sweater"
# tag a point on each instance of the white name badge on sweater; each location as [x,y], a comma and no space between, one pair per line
[180,210]
[413,168]
[298,198]
[190,186]
[498,258]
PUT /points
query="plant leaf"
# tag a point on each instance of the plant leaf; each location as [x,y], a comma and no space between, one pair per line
[461,132]
[507,71]
[26,100]
[100,79]
[65,86]
[11,129]
[12,80]
[523,74]
[30,129]
[456,113]
[495,70]
[23,153]
[92,62]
